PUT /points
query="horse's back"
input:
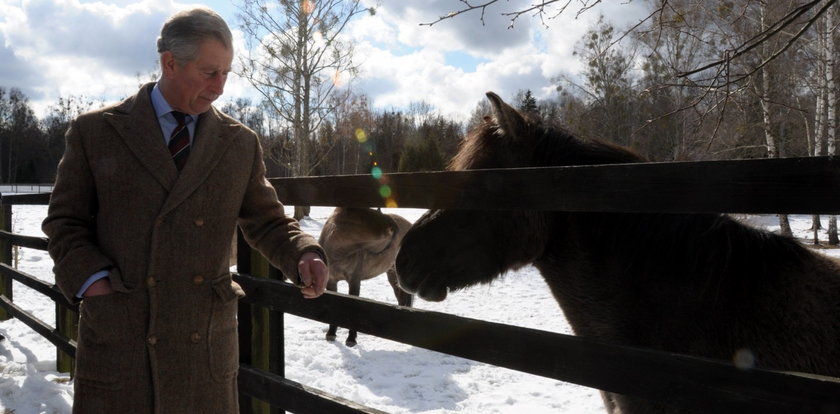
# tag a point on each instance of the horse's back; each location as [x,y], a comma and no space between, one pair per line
[361,243]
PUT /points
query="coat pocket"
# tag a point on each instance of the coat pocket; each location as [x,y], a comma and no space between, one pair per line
[104,337]
[223,338]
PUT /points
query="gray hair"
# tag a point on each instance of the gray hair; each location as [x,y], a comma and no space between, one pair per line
[184,31]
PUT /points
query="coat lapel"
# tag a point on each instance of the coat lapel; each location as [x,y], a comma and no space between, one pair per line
[213,136]
[136,123]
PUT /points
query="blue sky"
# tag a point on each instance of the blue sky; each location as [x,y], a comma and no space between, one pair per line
[105,49]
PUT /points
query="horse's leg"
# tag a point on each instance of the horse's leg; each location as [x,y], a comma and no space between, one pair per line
[355,287]
[622,404]
[403,298]
[332,286]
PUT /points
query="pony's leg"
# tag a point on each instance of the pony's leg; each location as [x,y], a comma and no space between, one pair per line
[403,298]
[622,404]
[609,402]
[355,288]
[332,286]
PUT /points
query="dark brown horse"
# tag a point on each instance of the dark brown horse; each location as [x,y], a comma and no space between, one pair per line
[362,243]
[702,285]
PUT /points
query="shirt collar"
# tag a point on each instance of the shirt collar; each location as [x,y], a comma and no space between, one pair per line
[162,108]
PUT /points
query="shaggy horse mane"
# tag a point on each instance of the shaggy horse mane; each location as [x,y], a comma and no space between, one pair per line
[718,257]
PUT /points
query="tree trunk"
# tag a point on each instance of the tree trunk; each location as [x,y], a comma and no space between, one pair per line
[769,138]
[767,122]
[784,226]
[831,107]
[819,109]
[816,226]
[301,212]
[301,103]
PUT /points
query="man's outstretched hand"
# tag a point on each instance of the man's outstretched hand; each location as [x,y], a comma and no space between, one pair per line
[314,275]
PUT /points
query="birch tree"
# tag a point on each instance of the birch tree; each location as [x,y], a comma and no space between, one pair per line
[296,58]
[831,103]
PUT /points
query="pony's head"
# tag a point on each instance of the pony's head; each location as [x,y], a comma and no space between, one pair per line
[451,249]
[447,250]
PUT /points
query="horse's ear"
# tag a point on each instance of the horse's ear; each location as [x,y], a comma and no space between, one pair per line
[512,123]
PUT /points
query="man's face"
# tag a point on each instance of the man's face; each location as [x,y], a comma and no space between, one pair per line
[193,87]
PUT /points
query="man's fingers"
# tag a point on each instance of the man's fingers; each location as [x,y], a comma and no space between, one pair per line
[314,275]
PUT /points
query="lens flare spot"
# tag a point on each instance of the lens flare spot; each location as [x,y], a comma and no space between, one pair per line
[391,203]
[744,358]
[361,136]
[385,191]
[376,172]
[337,79]
[318,38]
[308,6]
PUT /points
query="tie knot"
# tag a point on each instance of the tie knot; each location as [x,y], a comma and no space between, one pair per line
[179,116]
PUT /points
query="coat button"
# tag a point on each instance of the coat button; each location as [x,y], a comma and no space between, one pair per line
[159,222]
[199,222]
[151,340]
[151,282]
[198,280]
[195,337]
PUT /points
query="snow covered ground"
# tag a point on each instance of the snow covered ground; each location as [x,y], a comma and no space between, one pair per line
[378,373]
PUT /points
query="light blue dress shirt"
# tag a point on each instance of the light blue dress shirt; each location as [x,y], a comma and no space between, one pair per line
[165,118]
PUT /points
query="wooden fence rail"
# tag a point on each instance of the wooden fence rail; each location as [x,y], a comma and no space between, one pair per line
[798,185]
[763,186]
[681,380]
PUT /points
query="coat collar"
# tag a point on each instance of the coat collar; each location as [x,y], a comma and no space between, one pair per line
[136,123]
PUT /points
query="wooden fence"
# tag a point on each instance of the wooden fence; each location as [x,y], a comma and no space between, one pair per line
[798,185]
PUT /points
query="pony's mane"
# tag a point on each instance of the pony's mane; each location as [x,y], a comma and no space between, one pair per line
[716,247]
[557,146]
[711,249]
[552,146]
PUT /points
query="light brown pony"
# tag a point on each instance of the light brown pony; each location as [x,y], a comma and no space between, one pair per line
[702,285]
[362,243]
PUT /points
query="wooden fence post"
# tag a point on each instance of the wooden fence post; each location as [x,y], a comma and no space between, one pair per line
[261,342]
[5,255]
[66,323]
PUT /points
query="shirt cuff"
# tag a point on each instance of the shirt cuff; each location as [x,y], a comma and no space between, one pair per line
[96,276]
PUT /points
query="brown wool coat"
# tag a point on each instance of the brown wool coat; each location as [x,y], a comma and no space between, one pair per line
[166,341]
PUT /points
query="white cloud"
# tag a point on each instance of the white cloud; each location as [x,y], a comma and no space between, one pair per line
[92,49]
[52,48]
[406,62]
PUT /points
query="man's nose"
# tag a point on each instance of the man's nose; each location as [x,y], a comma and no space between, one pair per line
[217,85]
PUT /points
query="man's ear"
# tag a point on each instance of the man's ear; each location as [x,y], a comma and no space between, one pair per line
[168,64]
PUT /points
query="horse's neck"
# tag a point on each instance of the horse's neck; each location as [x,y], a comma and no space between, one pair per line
[689,249]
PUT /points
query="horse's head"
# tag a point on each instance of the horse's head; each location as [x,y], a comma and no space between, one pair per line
[505,140]
[450,249]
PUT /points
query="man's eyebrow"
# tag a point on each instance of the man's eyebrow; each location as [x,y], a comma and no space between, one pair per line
[211,68]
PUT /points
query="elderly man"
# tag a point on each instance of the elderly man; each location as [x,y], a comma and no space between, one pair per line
[147,198]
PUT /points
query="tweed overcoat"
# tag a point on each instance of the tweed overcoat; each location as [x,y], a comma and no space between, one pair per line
[166,341]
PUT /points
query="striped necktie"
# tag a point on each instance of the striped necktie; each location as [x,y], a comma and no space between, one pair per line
[179,143]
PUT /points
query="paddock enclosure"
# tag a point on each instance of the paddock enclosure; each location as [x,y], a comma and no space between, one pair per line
[767,186]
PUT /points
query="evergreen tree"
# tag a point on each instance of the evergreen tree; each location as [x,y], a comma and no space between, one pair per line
[422,155]
[527,103]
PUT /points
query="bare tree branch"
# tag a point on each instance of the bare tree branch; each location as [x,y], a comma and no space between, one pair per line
[765,35]
[539,8]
